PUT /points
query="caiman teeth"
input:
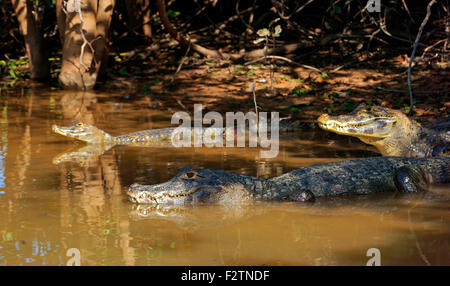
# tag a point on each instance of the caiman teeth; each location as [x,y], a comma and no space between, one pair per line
[343,126]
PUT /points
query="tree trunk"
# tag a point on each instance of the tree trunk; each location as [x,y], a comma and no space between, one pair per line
[34,43]
[85,37]
[139,16]
[146,19]
[60,20]
[132,13]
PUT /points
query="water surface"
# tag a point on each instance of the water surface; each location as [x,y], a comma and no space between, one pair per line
[48,206]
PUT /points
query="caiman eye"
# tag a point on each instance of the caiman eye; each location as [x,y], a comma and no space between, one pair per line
[79,124]
[190,175]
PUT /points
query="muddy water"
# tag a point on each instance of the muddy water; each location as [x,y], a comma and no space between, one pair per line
[51,202]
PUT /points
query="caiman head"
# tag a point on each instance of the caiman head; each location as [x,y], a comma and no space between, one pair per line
[191,186]
[382,127]
[84,132]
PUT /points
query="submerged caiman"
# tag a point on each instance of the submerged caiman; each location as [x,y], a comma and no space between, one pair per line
[359,176]
[391,132]
[93,135]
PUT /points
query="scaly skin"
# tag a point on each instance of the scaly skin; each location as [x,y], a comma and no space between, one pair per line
[360,176]
[391,131]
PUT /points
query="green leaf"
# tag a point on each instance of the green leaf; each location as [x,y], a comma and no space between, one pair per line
[172,14]
[277,31]
[13,74]
[299,92]
[263,32]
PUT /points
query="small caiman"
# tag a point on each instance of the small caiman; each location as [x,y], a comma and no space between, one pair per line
[391,132]
[93,135]
[359,176]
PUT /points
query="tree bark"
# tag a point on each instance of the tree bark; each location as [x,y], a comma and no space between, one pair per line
[85,37]
[139,16]
[60,20]
[146,19]
[34,43]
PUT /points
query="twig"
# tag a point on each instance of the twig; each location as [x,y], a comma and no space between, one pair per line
[405,91]
[348,64]
[384,29]
[424,22]
[77,9]
[281,13]
[407,10]
[422,255]
[252,88]
[432,46]
[370,39]
[283,59]
[250,28]
[182,61]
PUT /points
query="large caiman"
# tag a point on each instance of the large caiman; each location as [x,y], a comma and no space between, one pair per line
[391,132]
[350,177]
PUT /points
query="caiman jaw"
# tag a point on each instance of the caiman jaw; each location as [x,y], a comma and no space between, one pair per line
[375,127]
[76,130]
[136,194]
[157,196]
[84,132]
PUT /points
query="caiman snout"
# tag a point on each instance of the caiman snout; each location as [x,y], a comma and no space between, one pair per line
[138,194]
[323,119]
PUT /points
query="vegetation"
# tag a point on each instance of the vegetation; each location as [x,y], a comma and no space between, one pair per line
[80,43]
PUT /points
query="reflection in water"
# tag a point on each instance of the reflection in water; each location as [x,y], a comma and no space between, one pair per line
[52,200]
[3,148]
[83,155]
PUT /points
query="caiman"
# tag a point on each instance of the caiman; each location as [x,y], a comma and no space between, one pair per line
[93,135]
[391,132]
[359,176]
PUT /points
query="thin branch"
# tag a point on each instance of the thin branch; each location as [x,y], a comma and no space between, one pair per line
[416,42]
[283,59]
[407,10]
[216,53]
[76,7]
[181,63]
[242,19]
[422,255]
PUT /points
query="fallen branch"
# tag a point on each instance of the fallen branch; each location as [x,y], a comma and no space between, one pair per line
[215,53]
